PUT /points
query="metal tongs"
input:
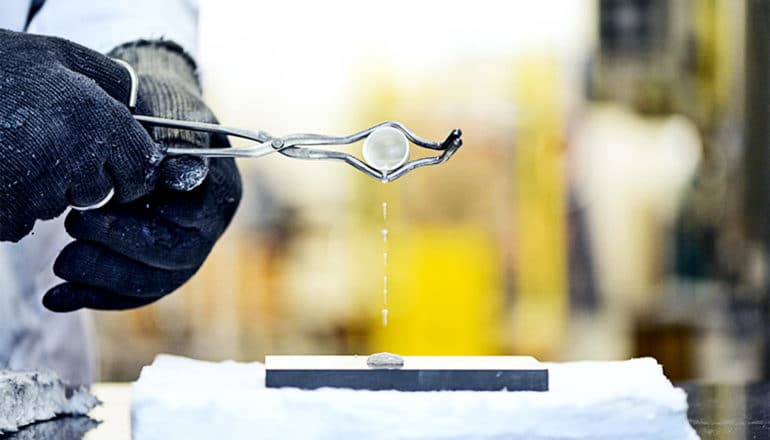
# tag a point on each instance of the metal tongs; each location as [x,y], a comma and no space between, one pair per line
[297,146]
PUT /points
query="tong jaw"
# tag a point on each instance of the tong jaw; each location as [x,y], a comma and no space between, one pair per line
[294,146]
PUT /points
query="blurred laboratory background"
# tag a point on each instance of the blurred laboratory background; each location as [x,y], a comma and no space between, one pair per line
[610,200]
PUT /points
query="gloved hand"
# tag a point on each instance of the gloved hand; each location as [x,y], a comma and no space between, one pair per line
[128,255]
[66,136]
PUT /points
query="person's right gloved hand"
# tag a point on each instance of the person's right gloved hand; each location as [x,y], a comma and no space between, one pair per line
[66,135]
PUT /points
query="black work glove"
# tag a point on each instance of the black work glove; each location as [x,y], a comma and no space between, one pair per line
[128,255]
[66,136]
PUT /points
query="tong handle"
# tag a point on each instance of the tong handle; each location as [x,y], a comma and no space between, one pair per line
[259,136]
[262,148]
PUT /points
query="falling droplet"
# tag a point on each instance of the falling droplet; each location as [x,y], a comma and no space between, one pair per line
[384,233]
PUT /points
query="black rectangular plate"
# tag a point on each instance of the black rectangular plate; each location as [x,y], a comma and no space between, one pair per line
[411,380]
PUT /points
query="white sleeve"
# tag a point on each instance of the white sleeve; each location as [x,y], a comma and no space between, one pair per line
[105,24]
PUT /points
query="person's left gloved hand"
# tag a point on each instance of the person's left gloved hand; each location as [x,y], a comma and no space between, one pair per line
[129,255]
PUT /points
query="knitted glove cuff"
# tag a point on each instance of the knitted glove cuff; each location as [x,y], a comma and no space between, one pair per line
[161,58]
[169,88]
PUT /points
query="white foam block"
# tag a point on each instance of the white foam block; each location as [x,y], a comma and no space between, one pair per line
[178,398]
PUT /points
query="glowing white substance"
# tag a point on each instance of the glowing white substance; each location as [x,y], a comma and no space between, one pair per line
[386,149]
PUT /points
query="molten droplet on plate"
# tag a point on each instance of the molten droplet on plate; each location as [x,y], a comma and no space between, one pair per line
[385,360]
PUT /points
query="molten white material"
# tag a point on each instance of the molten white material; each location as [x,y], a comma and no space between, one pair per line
[386,149]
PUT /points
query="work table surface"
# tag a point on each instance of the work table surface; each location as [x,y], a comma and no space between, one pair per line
[723,412]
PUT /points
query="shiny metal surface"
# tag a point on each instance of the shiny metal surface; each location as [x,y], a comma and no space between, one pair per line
[98,204]
[729,412]
[297,146]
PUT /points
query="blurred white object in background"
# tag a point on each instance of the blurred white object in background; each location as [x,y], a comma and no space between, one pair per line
[630,174]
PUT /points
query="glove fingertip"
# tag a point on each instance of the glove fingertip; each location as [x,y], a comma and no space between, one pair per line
[62,299]
[61,265]
[183,173]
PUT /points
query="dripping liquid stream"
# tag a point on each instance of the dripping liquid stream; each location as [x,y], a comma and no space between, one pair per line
[384,264]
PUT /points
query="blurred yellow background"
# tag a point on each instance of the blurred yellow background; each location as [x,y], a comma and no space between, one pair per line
[594,211]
